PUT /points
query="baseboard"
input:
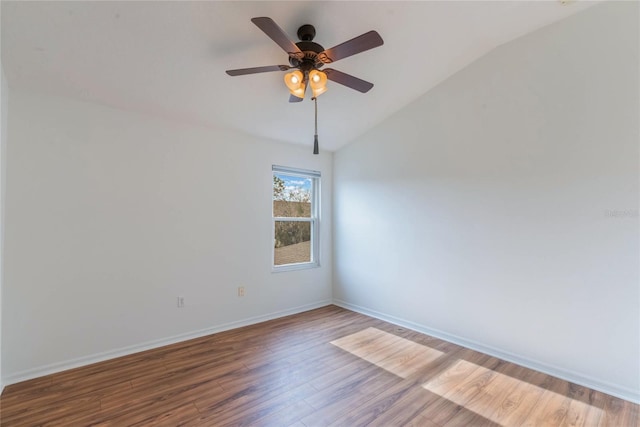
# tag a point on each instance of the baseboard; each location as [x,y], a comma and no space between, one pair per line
[565,374]
[125,351]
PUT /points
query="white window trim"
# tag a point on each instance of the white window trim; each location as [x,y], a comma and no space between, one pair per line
[314,220]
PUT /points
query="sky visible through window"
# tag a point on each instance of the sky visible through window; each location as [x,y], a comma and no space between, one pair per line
[294,185]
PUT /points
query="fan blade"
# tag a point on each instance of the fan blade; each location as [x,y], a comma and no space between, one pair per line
[348,80]
[254,70]
[277,34]
[359,44]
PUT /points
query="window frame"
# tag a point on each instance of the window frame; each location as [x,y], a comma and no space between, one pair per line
[313,219]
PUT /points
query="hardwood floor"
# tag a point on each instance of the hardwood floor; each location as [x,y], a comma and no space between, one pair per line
[328,366]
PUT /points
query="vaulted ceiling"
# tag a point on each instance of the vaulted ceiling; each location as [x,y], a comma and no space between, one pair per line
[169,58]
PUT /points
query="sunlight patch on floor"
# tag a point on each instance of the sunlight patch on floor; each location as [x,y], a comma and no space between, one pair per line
[392,353]
[508,401]
[497,397]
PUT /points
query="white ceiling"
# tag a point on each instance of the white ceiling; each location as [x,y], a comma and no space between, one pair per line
[169,58]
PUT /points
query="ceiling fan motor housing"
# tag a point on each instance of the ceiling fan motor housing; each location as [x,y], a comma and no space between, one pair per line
[310,49]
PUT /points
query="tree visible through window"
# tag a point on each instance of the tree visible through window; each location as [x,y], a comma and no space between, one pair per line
[295,222]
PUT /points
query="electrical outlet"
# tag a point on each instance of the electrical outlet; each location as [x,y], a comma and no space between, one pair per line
[180,302]
[240,291]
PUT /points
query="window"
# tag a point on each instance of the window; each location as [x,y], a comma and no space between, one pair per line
[295,218]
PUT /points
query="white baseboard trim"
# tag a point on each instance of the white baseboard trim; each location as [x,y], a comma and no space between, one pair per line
[124,351]
[565,374]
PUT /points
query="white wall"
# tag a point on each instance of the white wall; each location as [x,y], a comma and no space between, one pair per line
[111,215]
[4,109]
[482,212]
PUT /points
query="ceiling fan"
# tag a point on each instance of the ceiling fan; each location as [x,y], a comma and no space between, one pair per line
[307,57]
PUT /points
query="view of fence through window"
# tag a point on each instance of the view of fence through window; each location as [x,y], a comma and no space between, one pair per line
[292,198]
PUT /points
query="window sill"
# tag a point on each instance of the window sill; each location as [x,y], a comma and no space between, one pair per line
[294,267]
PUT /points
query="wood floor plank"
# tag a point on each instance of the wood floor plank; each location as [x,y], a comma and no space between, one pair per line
[449,381]
[617,412]
[54,412]
[421,421]
[409,406]
[338,400]
[256,405]
[515,406]
[510,398]
[328,366]
[288,415]
[550,410]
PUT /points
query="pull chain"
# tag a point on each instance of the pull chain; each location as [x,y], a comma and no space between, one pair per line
[315,135]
